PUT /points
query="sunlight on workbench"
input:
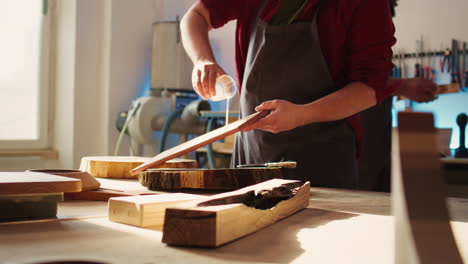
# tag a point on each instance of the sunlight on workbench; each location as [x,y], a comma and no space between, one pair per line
[153,234]
[342,241]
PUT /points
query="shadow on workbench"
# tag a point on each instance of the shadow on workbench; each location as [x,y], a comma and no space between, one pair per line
[277,243]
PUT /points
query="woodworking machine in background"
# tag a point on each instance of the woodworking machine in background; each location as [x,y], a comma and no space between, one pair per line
[171,105]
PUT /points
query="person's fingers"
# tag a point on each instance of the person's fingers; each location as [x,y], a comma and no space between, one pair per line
[268,105]
[205,84]
[201,89]
[212,83]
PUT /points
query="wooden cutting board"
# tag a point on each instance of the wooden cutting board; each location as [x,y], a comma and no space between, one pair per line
[200,141]
[206,179]
[33,182]
[222,218]
[119,166]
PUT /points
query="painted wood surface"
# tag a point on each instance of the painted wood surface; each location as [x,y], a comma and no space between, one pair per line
[219,219]
[119,167]
[200,141]
[145,211]
[206,179]
[33,182]
[423,233]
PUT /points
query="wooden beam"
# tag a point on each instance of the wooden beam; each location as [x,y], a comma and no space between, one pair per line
[422,229]
[207,179]
[219,219]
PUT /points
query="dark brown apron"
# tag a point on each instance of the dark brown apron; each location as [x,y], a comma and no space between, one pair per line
[286,62]
[375,162]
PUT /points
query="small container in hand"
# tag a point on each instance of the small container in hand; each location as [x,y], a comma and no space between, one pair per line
[225,88]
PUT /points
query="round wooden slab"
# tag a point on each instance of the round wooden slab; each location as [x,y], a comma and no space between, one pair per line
[87,180]
[206,179]
[119,166]
[33,182]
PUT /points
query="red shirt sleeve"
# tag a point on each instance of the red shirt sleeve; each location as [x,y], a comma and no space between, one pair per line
[370,41]
[223,11]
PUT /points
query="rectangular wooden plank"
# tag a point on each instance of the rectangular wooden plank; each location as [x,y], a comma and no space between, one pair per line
[222,218]
[200,141]
[147,210]
[33,182]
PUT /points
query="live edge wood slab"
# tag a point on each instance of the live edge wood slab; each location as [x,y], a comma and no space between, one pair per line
[200,141]
[219,219]
[206,179]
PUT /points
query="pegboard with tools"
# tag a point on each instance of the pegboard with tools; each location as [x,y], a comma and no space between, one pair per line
[448,67]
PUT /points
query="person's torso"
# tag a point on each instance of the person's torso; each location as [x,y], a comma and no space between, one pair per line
[334,14]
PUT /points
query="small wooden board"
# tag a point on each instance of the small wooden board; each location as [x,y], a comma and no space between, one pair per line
[145,211]
[103,194]
[222,218]
[88,182]
[119,167]
[206,179]
[200,141]
[33,182]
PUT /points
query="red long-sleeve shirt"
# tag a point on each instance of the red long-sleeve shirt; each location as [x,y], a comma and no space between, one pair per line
[356,37]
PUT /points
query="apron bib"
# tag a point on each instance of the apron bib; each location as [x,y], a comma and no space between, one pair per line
[286,62]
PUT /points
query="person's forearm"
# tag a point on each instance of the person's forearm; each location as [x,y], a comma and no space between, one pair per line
[351,99]
[194,29]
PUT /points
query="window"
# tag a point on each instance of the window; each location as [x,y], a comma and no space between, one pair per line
[24,33]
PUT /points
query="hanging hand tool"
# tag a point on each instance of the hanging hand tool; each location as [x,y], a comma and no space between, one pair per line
[446,59]
[396,72]
[418,67]
[455,64]
[465,65]
[428,71]
[403,64]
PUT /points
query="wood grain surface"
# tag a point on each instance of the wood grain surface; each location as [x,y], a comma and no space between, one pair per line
[206,179]
[88,182]
[33,182]
[145,211]
[200,141]
[222,218]
[119,167]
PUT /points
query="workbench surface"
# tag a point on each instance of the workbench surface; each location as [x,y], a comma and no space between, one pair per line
[338,227]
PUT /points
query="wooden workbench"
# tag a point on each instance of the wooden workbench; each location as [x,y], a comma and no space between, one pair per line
[338,227]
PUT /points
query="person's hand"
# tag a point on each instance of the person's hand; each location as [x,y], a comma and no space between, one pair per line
[204,78]
[283,116]
[418,90]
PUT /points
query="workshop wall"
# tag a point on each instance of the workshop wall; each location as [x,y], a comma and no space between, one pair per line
[112,55]
[438,22]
